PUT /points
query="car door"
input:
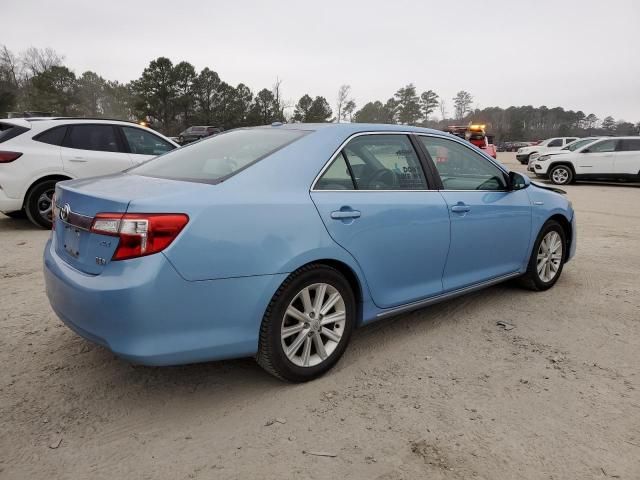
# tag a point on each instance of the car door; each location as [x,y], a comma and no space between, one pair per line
[490,225]
[89,150]
[375,202]
[596,159]
[143,145]
[626,160]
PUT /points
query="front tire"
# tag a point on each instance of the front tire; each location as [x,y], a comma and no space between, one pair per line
[307,325]
[39,203]
[547,258]
[561,175]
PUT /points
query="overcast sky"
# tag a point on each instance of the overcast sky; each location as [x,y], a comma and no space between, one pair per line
[581,55]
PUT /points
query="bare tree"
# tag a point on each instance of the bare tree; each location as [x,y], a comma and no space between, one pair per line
[9,67]
[462,104]
[39,60]
[442,105]
[343,98]
[348,109]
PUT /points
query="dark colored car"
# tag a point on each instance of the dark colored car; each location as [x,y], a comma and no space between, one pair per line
[194,133]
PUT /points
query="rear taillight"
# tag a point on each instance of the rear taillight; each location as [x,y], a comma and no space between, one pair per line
[140,233]
[8,157]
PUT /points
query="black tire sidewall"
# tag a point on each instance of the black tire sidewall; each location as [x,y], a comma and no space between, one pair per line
[569,178]
[31,203]
[532,270]
[319,274]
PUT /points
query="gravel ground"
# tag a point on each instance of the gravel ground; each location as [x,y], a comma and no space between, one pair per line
[442,393]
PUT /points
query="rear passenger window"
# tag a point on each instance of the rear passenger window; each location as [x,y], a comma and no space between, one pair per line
[93,137]
[556,142]
[336,177]
[384,162]
[630,145]
[54,136]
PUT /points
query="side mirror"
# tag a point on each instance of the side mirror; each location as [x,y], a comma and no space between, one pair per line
[518,181]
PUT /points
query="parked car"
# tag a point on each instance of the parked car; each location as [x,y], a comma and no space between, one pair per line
[277,241]
[476,135]
[36,153]
[194,133]
[566,149]
[605,159]
[544,146]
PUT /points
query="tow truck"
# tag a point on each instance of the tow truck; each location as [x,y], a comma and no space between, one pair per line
[476,135]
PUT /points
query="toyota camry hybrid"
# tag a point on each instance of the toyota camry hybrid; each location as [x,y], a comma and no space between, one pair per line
[277,241]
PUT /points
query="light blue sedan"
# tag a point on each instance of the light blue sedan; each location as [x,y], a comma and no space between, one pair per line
[277,241]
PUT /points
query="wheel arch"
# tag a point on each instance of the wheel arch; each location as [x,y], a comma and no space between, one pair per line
[560,163]
[350,275]
[568,231]
[57,177]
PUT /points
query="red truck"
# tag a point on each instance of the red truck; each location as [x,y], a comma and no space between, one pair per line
[476,135]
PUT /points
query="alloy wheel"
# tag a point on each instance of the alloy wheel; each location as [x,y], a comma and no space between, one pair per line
[45,205]
[313,325]
[560,176]
[549,256]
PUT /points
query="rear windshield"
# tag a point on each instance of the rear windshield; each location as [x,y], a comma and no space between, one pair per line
[219,157]
[9,130]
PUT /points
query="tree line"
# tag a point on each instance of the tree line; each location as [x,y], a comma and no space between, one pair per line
[174,96]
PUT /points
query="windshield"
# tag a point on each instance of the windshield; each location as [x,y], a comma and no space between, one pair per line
[219,157]
[578,143]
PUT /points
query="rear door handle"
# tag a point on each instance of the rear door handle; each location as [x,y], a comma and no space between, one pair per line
[460,208]
[340,214]
[78,159]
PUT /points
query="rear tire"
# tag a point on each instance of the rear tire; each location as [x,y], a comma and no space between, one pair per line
[38,204]
[547,258]
[307,325]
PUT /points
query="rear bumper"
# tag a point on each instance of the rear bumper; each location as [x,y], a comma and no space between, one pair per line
[9,204]
[143,311]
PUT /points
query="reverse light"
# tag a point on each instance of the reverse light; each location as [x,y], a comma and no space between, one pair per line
[140,233]
[8,157]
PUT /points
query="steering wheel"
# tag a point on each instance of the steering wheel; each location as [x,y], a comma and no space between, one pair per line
[492,182]
[383,179]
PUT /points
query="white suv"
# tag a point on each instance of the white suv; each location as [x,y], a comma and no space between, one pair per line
[544,146]
[35,153]
[603,159]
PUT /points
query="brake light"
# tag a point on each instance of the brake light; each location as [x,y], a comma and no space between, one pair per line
[8,157]
[140,233]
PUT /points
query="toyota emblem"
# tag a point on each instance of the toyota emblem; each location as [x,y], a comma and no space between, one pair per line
[64,212]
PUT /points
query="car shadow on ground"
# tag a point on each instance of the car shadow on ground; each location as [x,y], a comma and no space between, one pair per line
[224,383]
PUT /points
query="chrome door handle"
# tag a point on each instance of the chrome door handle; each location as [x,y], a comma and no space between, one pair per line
[340,214]
[78,159]
[460,208]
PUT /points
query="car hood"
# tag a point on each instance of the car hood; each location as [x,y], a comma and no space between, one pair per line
[548,187]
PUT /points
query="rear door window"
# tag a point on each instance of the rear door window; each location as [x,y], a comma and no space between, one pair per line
[143,142]
[630,145]
[100,138]
[337,176]
[385,162]
[556,142]
[53,136]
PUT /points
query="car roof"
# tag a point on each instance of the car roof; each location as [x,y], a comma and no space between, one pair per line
[350,128]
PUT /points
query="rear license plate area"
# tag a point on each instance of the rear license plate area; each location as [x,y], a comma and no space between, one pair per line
[71,241]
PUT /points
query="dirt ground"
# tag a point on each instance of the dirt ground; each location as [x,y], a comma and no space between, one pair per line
[442,393]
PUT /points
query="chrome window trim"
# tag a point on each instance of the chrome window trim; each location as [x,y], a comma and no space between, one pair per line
[344,144]
[423,134]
